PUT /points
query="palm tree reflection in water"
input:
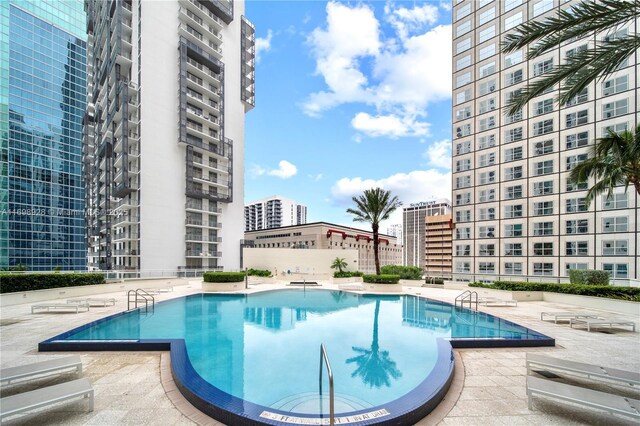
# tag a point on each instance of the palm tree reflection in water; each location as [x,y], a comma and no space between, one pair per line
[375,367]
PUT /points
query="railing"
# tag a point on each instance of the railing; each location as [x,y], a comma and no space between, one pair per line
[469,296]
[140,295]
[325,360]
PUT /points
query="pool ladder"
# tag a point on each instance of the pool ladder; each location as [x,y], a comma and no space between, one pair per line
[140,295]
[324,359]
[468,296]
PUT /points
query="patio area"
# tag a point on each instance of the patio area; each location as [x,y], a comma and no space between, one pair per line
[488,388]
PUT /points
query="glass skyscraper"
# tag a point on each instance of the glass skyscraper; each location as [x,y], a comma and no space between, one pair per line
[42,105]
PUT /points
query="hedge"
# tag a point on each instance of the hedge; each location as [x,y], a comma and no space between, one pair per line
[588,276]
[611,292]
[259,272]
[405,272]
[347,274]
[381,279]
[12,283]
[223,277]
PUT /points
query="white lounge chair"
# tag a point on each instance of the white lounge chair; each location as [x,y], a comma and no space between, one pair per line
[548,363]
[566,316]
[613,404]
[43,397]
[494,301]
[95,301]
[41,369]
[77,307]
[602,322]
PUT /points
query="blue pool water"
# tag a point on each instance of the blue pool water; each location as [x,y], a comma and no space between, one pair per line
[264,348]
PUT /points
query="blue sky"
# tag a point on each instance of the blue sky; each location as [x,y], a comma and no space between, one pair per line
[349,96]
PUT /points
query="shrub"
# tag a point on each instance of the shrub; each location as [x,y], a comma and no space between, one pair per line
[588,276]
[11,283]
[611,292]
[223,277]
[405,272]
[381,279]
[259,272]
[347,274]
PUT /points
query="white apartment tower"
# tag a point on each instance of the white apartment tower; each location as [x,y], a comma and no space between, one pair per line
[169,83]
[515,213]
[273,212]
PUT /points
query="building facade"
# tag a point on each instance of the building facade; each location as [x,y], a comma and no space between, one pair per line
[515,211]
[329,236]
[273,212]
[168,86]
[438,245]
[414,229]
[42,103]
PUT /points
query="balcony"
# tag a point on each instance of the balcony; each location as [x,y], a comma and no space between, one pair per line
[202,254]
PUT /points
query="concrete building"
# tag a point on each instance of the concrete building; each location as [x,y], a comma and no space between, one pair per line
[438,245]
[167,196]
[414,229]
[329,236]
[515,212]
[273,212]
[42,102]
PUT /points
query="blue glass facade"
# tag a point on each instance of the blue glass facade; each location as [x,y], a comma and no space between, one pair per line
[42,222]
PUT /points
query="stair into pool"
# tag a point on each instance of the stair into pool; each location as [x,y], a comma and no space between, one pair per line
[310,403]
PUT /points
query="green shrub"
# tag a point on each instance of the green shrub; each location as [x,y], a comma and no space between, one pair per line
[405,272]
[611,292]
[223,277]
[347,274]
[381,279]
[588,276]
[259,272]
[11,283]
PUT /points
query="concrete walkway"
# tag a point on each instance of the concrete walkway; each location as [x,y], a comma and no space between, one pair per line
[489,388]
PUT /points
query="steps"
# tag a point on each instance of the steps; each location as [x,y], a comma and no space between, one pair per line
[310,403]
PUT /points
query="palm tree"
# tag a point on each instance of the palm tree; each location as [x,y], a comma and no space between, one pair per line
[374,206]
[339,263]
[613,161]
[586,66]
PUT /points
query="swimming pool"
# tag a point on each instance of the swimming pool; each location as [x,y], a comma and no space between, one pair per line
[255,358]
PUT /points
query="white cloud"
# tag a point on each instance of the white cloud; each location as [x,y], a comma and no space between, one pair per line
[389,125]
[263,44]
[445,4]
[406,21]
[285,170]
[316,178]
[438,154]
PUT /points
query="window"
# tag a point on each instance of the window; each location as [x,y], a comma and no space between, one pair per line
[463,113]
[463,62]
[463,96]
[512,173]
[614,109]
[512,118]
[572,186]
[484,3]
[615,248]
[615,85]
[618,201]
[463,216]
[463,182]
[543,188]
[576,205]
[463,79]
[581,97]
[542,67]
[513,58]
[577,118]
[542,6]
[616,270]
[487,15]
[463,250]
[487,232]
[543,208]
[542,249]
[513,78]
[486,267]
[616,128]
[488,214]
[577,140]
[542,268]
[543,127]
[487,33]
[463,11]
[487,105]
[615,224]
[513,135]
[487,195]
[487,69]
[462,199]
[543,107]
[513,154]
[487,87]
[513,211]
[487,159]
[512,21]
[543,228]
[513,192]
[463,266]
[487,177]
[464,130]
[544,147]
[574,265]
[513,249]
[571,52]
[487,141]
[616,35]
[580,226]
[513,268]
[513,230]
[463,45]
[487,52]
[463,28]
[487,249]
[487,123]
[543,167]
[463,233]
[510,4]
[574,160]
[577,248]
[510,96]
[463,147]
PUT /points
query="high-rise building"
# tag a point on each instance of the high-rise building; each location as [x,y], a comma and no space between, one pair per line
[273,212]
[438,245]
[414,229]
[169,83]
[515,211]
[42,102]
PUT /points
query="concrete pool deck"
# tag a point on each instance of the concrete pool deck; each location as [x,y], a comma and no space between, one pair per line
[488,389]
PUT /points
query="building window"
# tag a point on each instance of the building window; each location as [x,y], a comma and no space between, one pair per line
[513,211]
[463,45]
[487,87]
[580,226]
[513,230]
[487,123]
[615,85]
[463,216]
[542,67]
[543,127]
[486,267]
[512,21]
[487,141]
[513,135]
[543,147]
[487,33]
[574,160]
[463,28]
[616,270]
[463,233]
[577,118]
[487,15]
[463,250]
[615,224]
[485,70]
[487,52]
[572,265]
[543,208]
[543,268]
[571,186]
[463,79]
[462,199]
[511,173]
[463,62]
[488,214]
[487,232]
[513,58]
[463,113]
[513,192]
[577,140]
[463,11]
[487,177]
[487,195]
[576,205]
[577,248]
[513,268]
[543,167]
[543,107]
[513,78]
[513,118]
[487,159]
[614,109]
[487,249]
[463,266]
[462,97]
[463,182]
[543,188]
[464,130]
[572,52]
[487,105]
[463,148]
[615,248]
[510,4]
[542,6]
[581,97]
[543,228]
[513,154]
[513,249]
[615,128]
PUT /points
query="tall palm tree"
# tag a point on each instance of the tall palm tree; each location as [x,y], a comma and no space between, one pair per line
[584,67]
[613,161]
[339,263]
[374,206]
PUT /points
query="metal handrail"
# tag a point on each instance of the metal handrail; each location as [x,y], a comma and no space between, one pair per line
[325,358]
[467,295]
[140,295]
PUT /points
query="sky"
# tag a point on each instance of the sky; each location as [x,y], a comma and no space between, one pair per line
[350,96]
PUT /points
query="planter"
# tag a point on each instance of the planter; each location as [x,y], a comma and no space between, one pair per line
[218,287]
[382,288]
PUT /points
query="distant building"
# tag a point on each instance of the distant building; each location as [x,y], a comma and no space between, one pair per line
[273,212]
[438,245]
[414,229]
[395,230]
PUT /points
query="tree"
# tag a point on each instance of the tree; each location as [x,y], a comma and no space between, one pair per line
[374,206]
[614,160]
[339,263]
[585,66]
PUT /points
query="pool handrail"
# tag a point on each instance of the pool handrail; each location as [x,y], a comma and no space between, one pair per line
[467,295]
[141,295]
[325,358]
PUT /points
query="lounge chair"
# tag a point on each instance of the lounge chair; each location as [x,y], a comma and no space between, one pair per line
[602,322]
[43,397]
[95,301]
[77,307]
[566,316]
[158,290]
[40,369]
[544,362]
[494,301]
[613,404]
